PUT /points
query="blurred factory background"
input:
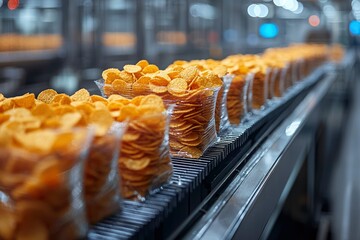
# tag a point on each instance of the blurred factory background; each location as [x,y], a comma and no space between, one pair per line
[65,44]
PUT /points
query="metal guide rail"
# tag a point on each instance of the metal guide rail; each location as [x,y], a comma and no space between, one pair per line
[179,203]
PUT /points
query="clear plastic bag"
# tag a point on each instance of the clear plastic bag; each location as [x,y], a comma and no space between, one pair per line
[192,122]
[101,178]
[221,115]
[259,88]
[238,98]
[41,193]
[145,163]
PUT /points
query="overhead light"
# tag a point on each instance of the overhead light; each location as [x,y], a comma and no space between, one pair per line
[258,10]
[314,20]
[299,9]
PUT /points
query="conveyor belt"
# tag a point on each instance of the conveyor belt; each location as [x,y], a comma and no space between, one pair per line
[194,181]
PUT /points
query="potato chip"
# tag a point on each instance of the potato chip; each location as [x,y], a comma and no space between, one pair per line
[133,164]
[6,104]
[61,99]
[142,63]
[177,86]
[157,81]
[81,95]
[109,75]
[2,97]
[127,77]
[97,98]
[151,68]
[27,100]
[119,85]
[189,73]
[152,100]
[102,120]
[69,120]
[47,95]
[158,89]
[34,141]
[132,68]
[42,110]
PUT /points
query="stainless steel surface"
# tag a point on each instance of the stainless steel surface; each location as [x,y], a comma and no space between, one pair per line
[248,203]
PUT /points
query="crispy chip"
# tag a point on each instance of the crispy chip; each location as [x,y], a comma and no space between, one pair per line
[69,120]
[1,97]
[151,68]
[132,68]
[102,120]
[177,86]
[109,75]
[81,95]
[189,73]
[61,99]
[39,141]
[135,164]
[119,85]
[142,63]
[27,100]
[47,95]
[152,100]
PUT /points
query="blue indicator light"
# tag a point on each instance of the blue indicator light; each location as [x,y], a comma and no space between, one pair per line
[354,27]
[268,30]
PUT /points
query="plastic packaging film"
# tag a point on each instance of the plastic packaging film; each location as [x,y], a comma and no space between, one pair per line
[41,192]
[221,113]
[101,178]
[259,87]
[144,162]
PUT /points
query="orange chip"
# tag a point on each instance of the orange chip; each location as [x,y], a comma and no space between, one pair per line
[40,140]
[42,110]
[102,120]
[152,100]
[189,73]
[6,104]
[140,88]
[193,152]
[127,77]
[143,80]
[70,120]
[177,86]
[27,100]
[3,118]
[81,95]
[61,99]
[220,71]
[97,98]
[137,100]
[63,109]
[133,164]
[128,111]
[109,75]
[151,68]
[128,136]
[132,68]
[47,95]
[142,63]
[158,89]
[1,97]
[159,81]
[119,85]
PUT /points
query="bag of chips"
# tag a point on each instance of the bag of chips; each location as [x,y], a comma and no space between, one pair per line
[101,179]
[41,181]
[144,163]
[192,93]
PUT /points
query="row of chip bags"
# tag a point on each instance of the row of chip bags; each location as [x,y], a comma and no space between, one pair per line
[67,161]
